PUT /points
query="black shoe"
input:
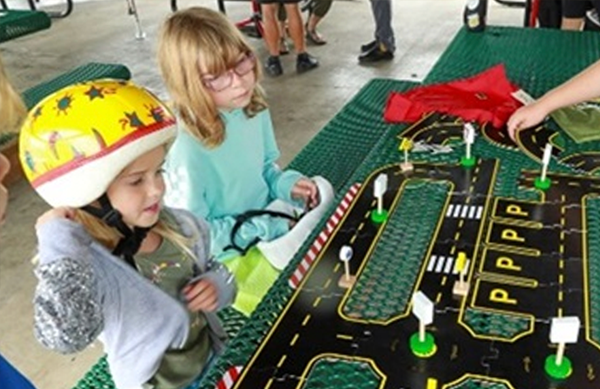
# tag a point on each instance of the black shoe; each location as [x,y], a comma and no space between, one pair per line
[273,66]
[306,62]
[378,53]
[368,47]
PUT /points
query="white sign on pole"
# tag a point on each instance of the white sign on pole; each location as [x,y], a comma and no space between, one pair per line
[564,329]
[346,253]
[469,133]
[547,154]
[422,308]
[380,185]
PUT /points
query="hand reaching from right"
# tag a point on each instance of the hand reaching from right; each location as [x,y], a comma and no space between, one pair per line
[55,213]
[525,117]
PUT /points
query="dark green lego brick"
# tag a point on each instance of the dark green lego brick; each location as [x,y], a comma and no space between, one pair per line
[384,288]
[496,324]
[341,374]
[593,246]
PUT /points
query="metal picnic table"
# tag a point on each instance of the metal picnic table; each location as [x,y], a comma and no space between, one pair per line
[16,23]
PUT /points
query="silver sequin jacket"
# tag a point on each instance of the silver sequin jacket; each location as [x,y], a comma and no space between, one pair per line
[85,293]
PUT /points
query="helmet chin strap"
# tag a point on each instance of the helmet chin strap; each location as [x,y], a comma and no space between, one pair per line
[131,241]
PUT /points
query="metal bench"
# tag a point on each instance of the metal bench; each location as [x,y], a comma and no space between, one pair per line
[16,23]
[87,72]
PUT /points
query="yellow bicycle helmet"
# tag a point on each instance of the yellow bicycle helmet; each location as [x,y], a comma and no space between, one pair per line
[77,140]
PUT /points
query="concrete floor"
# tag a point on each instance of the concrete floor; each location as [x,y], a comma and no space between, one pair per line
[300,105]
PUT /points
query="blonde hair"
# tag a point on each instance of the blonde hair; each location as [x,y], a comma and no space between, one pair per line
[12,109]
[202,36]
[110,236]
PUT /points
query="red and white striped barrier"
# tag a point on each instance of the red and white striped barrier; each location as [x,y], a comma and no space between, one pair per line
[318,244]
[229,377]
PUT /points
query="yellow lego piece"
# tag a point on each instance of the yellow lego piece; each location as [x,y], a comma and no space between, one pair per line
[461,261]
[431,383]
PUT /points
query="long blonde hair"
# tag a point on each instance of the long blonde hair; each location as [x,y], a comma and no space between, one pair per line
[110,236]
[200,35]
[12,109]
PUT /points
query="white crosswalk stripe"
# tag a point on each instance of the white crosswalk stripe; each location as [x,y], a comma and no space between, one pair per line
[431,263]
[472,212]
[450,208]
[456,211]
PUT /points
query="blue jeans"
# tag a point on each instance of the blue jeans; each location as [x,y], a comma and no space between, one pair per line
[382,13]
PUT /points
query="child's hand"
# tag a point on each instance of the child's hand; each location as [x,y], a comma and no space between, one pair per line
[525,117]
[55,213]
[201,296]
[307,191]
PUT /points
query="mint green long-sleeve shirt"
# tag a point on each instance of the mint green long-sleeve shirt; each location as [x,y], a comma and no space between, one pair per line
[239,175]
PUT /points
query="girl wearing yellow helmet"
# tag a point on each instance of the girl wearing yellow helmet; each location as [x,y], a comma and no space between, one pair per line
[222,166]
[113,264]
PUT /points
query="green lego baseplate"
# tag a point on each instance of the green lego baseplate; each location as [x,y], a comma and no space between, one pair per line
[535,59]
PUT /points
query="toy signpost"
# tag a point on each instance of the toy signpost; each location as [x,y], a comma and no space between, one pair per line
[562,330]
[544,182]
[461,287]
[422,343]
[405,146]
[468,160]
[346,280]
[379,188]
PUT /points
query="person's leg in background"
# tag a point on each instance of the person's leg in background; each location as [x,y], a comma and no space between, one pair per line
[384,45]
[573,14]
[271,37]
[282,19]
[304,61]
[550,13]
[317,11]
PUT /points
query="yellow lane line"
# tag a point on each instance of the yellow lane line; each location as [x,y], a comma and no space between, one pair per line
[294,339]
[281,360]
[306,319]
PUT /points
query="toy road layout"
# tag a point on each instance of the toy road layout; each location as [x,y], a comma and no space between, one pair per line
[532,256]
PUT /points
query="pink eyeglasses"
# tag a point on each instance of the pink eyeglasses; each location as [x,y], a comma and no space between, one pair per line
[224,80]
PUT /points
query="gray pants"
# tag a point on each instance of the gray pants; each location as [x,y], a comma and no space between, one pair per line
[382,13]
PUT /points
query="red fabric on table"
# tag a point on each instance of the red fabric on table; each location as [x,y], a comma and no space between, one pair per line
[485,97]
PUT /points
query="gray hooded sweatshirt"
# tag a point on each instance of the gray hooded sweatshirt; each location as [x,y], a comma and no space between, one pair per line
[85,293]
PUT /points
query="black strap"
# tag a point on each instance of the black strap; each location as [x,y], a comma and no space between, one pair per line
[131,241]
[246,216]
